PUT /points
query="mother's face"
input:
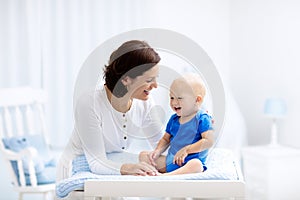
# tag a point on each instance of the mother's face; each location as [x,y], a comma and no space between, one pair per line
[141,86]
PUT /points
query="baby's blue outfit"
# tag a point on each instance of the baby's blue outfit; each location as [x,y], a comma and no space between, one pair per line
[185,134]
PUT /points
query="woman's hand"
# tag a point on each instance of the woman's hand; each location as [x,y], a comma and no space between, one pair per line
[180,156]
[138,169]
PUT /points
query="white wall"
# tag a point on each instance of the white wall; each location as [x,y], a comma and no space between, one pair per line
[206,22]
[265,62]
[254,44]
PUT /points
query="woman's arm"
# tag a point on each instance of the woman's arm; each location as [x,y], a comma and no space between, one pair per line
[88,126]
[140,169]
[88,120]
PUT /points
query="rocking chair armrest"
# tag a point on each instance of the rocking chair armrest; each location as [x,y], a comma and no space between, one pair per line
[11,155]
[29,152]
[26,154]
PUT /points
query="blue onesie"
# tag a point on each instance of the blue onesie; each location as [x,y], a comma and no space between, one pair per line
[185,134]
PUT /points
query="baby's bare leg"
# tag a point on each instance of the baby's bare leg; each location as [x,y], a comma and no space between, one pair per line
[192,166]
[160,161]
[161,164]
[143,157]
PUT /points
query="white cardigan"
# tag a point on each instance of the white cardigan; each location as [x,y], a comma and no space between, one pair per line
[101,133]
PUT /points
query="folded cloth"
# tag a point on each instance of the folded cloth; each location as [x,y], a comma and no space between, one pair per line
[80,164]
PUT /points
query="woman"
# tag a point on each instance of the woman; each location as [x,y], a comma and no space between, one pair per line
[108,119]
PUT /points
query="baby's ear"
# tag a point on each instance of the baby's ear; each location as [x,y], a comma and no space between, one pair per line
[199,99]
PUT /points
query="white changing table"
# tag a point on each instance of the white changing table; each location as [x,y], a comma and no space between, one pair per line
[165,188]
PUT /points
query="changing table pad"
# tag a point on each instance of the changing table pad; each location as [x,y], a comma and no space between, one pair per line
[220,163]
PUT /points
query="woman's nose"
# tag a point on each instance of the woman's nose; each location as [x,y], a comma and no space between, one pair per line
[154,84]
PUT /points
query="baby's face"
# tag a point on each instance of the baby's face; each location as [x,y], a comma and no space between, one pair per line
[182,99]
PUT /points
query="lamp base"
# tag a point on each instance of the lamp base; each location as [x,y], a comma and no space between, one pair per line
[274,135]
[275,145]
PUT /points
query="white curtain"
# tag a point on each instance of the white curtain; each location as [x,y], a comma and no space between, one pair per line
[43,44]
[20,43]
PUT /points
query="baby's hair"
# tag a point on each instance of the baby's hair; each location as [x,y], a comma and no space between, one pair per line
[196,82]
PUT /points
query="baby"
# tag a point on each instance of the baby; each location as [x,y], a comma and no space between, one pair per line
[189,132]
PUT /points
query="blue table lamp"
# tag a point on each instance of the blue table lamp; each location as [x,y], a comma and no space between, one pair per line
[275,108]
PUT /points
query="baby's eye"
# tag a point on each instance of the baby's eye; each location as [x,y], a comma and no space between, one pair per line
[178,98]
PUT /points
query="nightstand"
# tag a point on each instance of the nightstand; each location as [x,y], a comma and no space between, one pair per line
[272,172]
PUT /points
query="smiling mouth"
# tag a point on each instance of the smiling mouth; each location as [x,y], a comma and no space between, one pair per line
[177,108]
[147,92]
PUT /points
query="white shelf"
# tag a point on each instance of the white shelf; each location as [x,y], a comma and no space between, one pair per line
[271,172]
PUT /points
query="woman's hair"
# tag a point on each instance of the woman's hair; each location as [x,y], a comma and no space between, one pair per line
[131,59]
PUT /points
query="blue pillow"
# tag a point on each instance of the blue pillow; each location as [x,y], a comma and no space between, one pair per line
[17,144]
[44,165]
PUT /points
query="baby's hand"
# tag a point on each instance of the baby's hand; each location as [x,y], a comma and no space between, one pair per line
[180,156]
[153,155]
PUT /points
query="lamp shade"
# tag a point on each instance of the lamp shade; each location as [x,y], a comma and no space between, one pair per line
[275,107]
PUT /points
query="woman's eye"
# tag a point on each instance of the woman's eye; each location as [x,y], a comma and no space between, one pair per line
[150,80]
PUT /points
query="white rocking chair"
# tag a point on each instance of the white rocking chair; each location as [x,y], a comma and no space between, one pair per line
[22,116]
